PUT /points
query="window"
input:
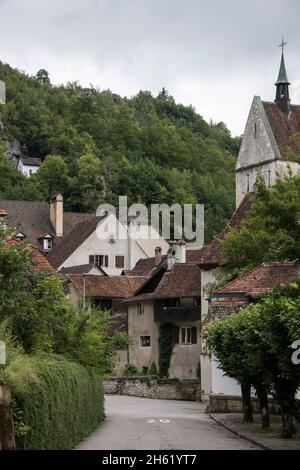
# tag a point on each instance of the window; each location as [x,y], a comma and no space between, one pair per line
[119,261]
[188,335]
[282,91]
[140,309]
[145,341]
[47,243]
[99,260]
[248,183]
[255,129]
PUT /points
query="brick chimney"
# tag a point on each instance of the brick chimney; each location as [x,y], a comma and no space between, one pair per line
[57,214]
[158,255]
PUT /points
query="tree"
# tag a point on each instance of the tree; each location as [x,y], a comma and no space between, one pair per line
[271,232]
[52,175]
[254,345]
[89,182]
[43,76]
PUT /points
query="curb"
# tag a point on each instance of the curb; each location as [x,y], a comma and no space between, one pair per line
[249,439]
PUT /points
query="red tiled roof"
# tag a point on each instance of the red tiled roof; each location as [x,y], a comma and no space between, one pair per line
[286,130]
[117,287]
[144,267]
[39,260]
[262,279]
[183,280]
[211,255]
[70,242]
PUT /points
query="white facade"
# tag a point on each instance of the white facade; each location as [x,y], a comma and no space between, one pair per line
[27,170]
[259,154]
[111,240]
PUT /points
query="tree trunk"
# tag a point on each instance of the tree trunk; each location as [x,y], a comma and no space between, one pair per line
[264,408]
[247,408]
[288,418]
[285,391]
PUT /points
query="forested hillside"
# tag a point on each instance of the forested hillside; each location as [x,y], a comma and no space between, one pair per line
[102,145]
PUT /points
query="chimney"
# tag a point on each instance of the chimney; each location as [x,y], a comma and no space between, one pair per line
[57,214]
[158,255]
[171,258]
[181,251]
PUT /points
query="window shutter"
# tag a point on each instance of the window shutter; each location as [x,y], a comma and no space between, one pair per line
[175,334]
[194,335]
[91,259]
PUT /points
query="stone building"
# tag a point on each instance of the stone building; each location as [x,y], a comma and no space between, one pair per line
[170,296]
[271,141]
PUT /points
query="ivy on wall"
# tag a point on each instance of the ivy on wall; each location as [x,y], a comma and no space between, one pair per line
[165,345]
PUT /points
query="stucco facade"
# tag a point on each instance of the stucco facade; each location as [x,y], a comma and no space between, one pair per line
[111,246]
[142,325]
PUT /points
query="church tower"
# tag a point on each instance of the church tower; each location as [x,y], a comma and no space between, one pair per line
[271,142]
[282,86]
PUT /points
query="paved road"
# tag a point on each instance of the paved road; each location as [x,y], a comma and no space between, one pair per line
[142,424]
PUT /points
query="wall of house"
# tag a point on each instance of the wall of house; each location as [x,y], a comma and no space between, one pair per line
[212,380]
[256,148]
[27,170]
[100,243]
[185,359]
[207,277]
[97,244]
[220,383]
[142,325]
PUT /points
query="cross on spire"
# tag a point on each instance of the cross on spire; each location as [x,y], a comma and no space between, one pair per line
[283,43]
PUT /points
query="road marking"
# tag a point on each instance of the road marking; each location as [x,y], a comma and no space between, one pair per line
[165,421]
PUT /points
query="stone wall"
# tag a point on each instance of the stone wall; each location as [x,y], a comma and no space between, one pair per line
[149,387]
[233,404]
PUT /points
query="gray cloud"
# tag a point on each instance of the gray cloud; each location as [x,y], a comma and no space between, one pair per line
[214,55]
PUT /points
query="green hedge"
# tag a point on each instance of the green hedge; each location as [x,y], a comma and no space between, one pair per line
[65,405]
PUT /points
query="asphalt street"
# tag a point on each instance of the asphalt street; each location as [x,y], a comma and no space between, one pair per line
[141,424]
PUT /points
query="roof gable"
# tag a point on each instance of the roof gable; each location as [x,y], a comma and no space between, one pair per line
[70,242]
[258,145]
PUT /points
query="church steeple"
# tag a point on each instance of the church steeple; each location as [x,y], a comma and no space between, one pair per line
[282,85]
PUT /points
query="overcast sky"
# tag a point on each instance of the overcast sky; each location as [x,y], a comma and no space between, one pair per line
[213,54]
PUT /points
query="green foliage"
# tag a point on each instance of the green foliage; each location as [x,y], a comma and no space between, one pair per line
[165,346]
[62,408]
[153,369]
[149,148]
[33,303]
[271,232]
[130,370]
[19,371]
[254,347]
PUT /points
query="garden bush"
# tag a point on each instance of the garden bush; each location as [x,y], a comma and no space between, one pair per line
[62,407]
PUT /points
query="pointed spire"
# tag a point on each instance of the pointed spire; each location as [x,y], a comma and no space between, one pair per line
[282,85]
[282,76]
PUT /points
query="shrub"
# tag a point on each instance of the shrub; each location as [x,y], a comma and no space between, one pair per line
[130,370]
[153,369]
[62,408]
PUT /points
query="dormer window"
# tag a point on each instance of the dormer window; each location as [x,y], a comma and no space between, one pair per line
[20,236]
[47,242]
